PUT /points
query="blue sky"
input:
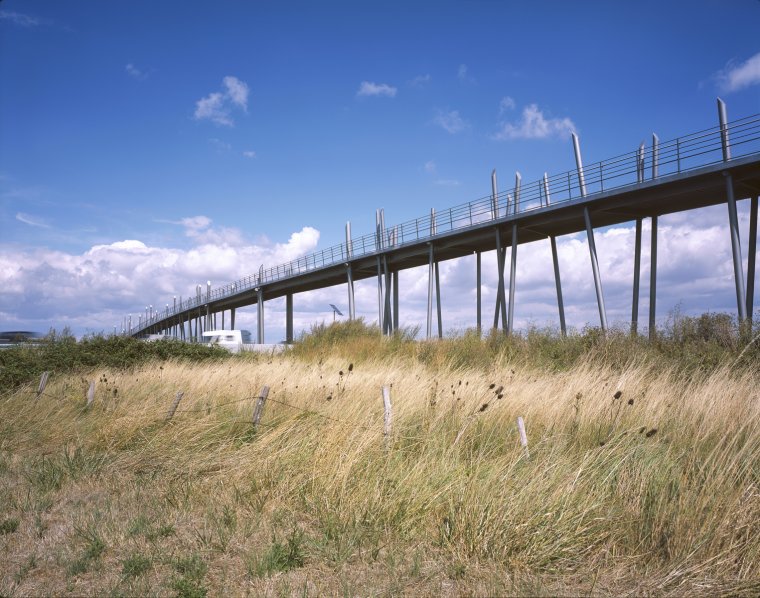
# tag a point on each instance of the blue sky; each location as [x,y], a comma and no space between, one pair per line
[149,146]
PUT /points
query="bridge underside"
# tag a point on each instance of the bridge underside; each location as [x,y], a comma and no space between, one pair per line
[665,195]
[656,198]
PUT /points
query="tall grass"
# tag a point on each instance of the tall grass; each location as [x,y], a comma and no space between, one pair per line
[643,475]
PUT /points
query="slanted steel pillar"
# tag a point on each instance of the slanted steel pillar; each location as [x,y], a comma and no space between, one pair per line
[501,305]
[349,273]
[260,305]
[395,300]
[555,260]
[558,284]
[595,269]
[653,283]
[512,274]
[736,248]
[387,316]
[478,293]
[429,329]
[289,318]
[751,253]
[636,278]
[518,185]
[438,300]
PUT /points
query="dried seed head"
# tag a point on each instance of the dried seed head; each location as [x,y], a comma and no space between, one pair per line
[483,407]
[329,398]
[498,390]
[602,443]
[651,432]
[500,395]
[492,386]
[618,394]
[350,367]
[641,429]
[630,401]
[340,373]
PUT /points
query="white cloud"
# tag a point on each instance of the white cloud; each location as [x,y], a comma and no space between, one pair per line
[420,80]
[134,72]
[31,220]
[430,167]
[217,106]
[368,88]
[462,72]
[18,18]
[249,154]
[735,77]
[450,121]
[534,125]
[237,91]
[97,288]
[506,103]
[221,146]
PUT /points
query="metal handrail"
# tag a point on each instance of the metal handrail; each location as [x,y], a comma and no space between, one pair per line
[682,154]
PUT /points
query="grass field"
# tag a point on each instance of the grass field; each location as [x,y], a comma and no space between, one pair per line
[643,473]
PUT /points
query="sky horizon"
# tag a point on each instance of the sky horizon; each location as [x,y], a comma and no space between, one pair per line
[150,147]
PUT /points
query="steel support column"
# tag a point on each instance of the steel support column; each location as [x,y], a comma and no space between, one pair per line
[751,253]
[595,269]
[395,300]
[501,305]
[429,330]
[736,248]
[558,284]
[438,300]
[232,318]
[512,274]
[636,279]
[351,304]
[289,318]
[387,315]
[478,293]
[653,283]
[260,306]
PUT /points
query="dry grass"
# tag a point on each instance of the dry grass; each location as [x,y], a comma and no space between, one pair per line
[640,481]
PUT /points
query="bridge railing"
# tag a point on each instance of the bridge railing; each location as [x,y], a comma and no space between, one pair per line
[643,164]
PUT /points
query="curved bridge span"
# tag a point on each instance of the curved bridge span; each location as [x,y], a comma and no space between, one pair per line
[716,165]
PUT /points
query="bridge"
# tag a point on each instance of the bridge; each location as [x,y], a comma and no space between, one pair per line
[717,165]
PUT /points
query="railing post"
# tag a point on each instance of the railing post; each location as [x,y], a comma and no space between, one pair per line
[655,155]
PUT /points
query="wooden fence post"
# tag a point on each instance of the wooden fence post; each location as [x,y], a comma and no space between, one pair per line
[259,409]
[43,384]
[91,394]
[523,436]
[174,406]
[388,419]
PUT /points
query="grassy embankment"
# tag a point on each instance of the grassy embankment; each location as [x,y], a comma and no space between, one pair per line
[643,475]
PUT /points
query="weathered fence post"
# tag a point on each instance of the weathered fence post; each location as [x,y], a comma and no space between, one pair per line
[174,406]
[259,409]
[523,436]
[43,384]
[388,418]
[91,394]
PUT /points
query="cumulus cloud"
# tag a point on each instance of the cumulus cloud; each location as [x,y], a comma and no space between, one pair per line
[218,106]
[369,88]
[738,76]
[99,287]
[249,154]
[450,121]
[534,125]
